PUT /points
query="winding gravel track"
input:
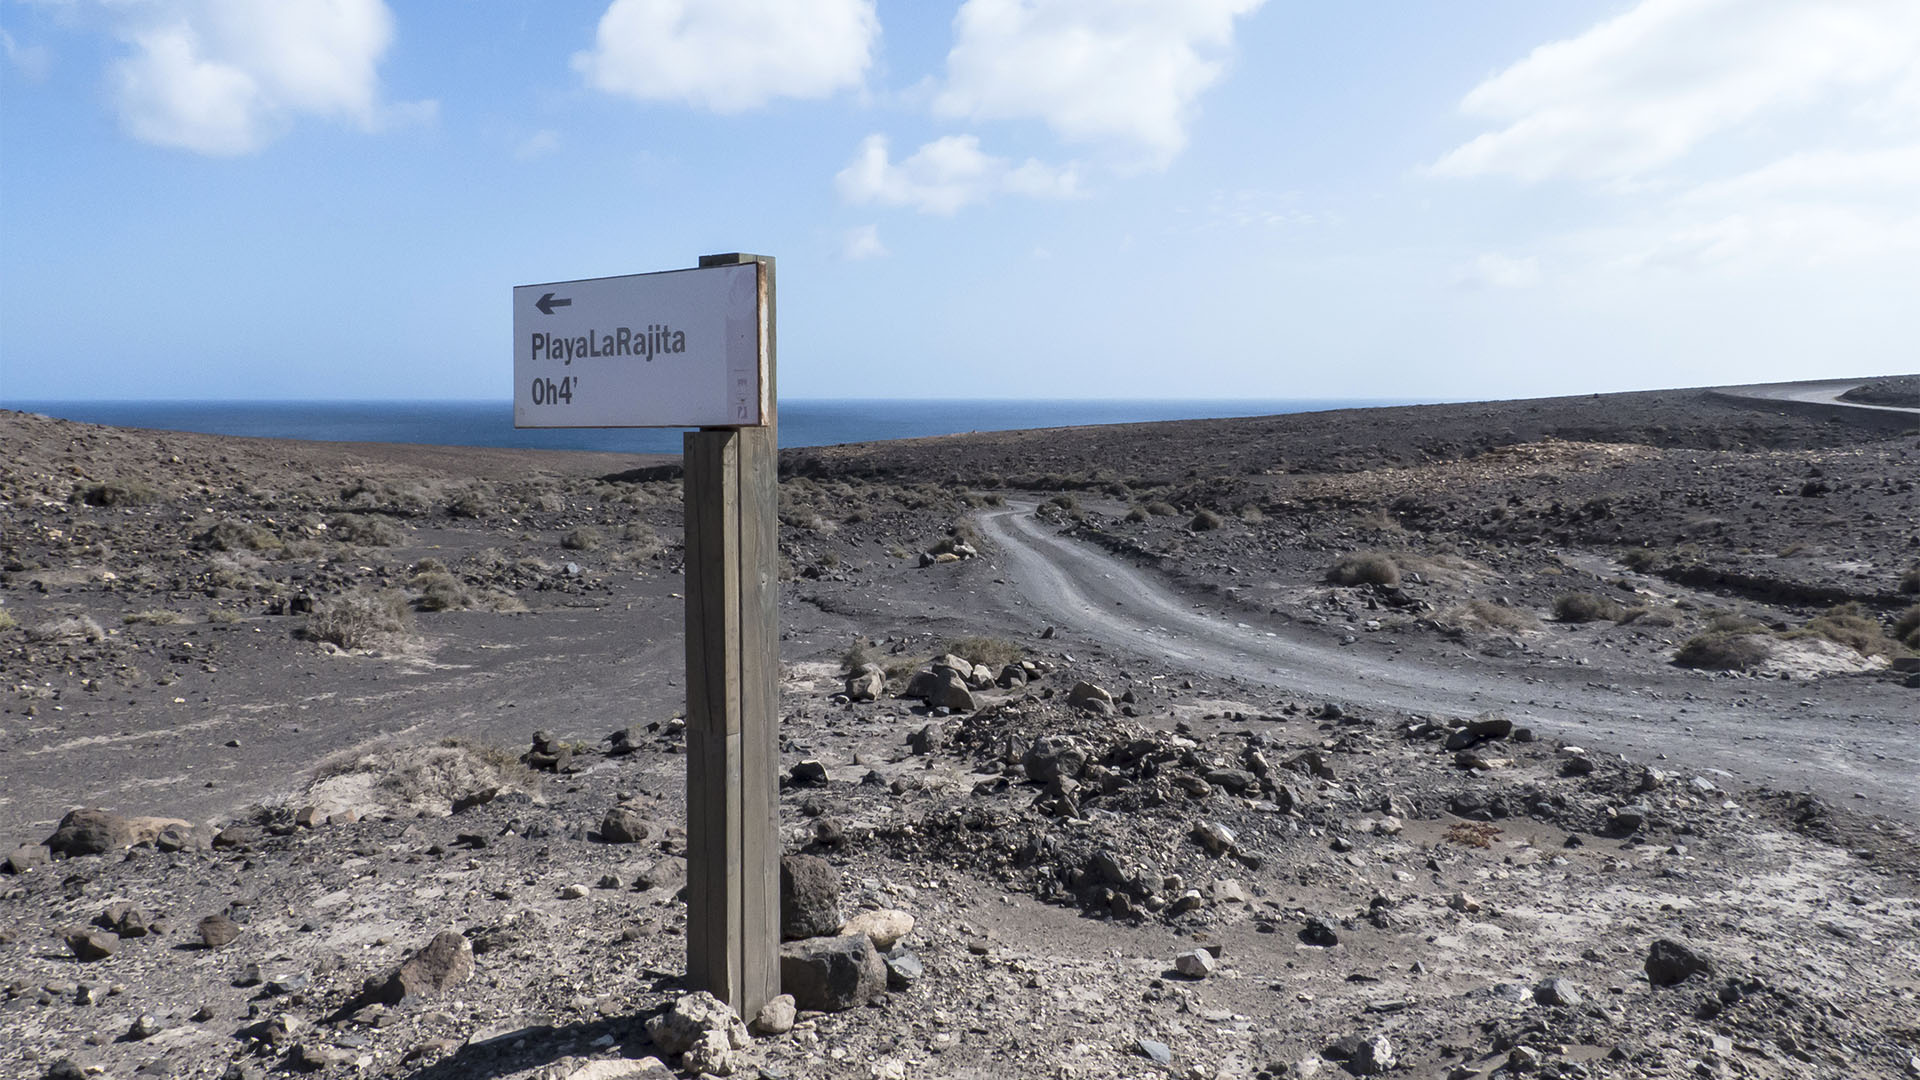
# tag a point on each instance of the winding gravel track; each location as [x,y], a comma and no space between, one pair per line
[1857,739]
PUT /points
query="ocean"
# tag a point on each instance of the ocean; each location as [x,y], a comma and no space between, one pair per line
[802,422]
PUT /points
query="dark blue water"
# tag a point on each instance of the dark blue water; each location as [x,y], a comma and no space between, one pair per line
[802,422]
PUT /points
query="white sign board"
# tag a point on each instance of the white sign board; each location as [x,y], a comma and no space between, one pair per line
[681,348]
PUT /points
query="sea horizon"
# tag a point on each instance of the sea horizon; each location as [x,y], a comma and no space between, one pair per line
[803,421]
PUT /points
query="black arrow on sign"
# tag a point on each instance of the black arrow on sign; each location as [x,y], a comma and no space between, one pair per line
[547,303]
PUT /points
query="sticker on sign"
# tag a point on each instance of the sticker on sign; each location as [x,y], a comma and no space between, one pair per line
[680,348]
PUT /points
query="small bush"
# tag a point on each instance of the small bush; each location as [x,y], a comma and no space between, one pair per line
[472,503]
[1906,627]
[154,617]
[1488,615]
[857,517]
[1723,650]
[1648,616]
[360,619]
[1733,622]
[1640,560]
[1365,568]
[857,656]
[584,538]
[1161,509]
[363,529]
[1910,581]
[117,493]
[7,621]
[993,652]
[1848,625]
[639,532]
[1137,515]
[441,591]
[1066,501]
[1206,521]
[1580,607]
[220,616]
[232,535]
[71,629]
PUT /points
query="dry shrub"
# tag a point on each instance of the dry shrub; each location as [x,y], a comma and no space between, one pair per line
[1137,515]
[1723,650]
[1640,560]
[1477,834]
[362,529]
[1910,581]
[359,619]
[231,535]
[1161,509]
[1206,521]
[153,617]
[584,538]
[220,616]
[1906,627]
[1733,622]
[472,503]
[1849,625]
[440,591]
[995,653]
[418,780]
[1365,568]
[7,621]
[68,629]
[857,656]
[1488,616]
[1648,616]
[1580,607]
[117,493]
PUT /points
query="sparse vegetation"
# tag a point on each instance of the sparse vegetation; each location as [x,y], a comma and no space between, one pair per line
[1581,607]
[1489,616]
[359,619]
[230,534]
[583,538]
[1723,650]
[67,628]
[117,493]
[1906,628]
[1472,834]
[363,529]
[220,616]
[1640,560]
[153,617]
[1910,581]
[472,503]
[1849,625]
[1365,568]
[7,621]
[993,652]
[857,656]
[1137,515]
[441,591]
[1206,521]
[1161,509]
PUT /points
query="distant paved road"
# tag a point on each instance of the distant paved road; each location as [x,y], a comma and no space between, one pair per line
[1825,393]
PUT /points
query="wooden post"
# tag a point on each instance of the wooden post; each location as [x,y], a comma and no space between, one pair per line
[733,671]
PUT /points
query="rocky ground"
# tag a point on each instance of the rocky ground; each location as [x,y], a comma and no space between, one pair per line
[300,682]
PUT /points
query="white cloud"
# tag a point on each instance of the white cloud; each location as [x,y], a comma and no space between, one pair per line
[863,242]
[537,145]
[729,55]
[945,175]
[1094,70]
[1497,271]
[228,76]
[33,62]
[1648,87]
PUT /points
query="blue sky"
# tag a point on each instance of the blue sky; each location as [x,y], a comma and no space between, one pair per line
[995,198]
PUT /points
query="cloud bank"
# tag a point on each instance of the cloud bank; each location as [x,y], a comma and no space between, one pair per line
[730,55]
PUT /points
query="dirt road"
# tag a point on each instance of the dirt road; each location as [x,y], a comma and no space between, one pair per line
[1836,738]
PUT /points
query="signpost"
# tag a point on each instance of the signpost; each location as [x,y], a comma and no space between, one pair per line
[695,348]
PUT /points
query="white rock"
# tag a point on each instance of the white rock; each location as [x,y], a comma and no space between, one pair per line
[886,927]
[1197,964]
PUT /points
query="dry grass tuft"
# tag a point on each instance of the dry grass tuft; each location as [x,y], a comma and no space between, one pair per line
[363,529]
[359,619]
[1580,607]
[1365,568]
[117,493]
[153,617]
[72,629]
[1723,650]
[995,653]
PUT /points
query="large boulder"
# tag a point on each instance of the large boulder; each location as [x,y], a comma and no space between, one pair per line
[1670,963]
[832,974]
[1054,757]
[625,825]
[943,687]
[1086,695]
[809,897]
[445,962]
[90,832]
[867,684]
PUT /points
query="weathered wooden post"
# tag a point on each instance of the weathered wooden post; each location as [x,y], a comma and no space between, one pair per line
[695,348]
[733,671]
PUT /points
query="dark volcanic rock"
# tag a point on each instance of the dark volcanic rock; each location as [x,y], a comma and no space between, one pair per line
[809,897]
[446,961]
[218,930]
[90,832]
[832,974]
[623,825]
[1670,963]
[92,944]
